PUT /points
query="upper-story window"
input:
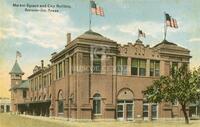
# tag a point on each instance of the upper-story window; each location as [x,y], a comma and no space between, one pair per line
[122,65]
[24,94]
[154,68]
[60,70]
[134,67]
[96,63]
[142,67]
[174,65]
[40,82]
[138,66]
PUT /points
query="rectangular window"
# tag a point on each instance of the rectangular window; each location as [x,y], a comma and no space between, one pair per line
[142,67]
[60,106]
[157,68]
[122,66]
[154,68]
[40,84]
[97,106]
[145,109]
[134,67]
[154,111]
[174,65]
[96,63]
[60,70]
[24,94]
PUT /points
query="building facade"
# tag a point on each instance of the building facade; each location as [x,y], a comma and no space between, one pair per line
[94,77]
[4,105]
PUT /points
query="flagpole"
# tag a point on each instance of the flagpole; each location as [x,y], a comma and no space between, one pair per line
[90,16]
[138,34]
[165,27]
[16,55]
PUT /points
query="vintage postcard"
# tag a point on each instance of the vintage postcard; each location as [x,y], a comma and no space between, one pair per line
[105,63]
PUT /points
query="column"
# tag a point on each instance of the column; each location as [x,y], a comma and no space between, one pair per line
[103,64]
[162,67]
[114,65]
[70,65]
[4,107]
[91,63]
[129,66]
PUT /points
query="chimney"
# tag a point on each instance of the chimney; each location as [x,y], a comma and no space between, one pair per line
[68,38]
[42,64]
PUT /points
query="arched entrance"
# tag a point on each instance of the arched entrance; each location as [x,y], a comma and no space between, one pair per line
[125,104]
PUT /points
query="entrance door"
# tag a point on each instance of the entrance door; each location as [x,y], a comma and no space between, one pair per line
[125,110]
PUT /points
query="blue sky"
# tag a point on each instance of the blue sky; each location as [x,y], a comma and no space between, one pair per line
[37,34]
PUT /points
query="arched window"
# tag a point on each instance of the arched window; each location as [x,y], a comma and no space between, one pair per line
[60,102]
[97,104]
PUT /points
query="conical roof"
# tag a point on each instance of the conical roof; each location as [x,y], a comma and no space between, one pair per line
[16,69]
[169,45]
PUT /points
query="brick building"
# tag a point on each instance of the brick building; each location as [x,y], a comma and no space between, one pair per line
[4,104]
[94,77]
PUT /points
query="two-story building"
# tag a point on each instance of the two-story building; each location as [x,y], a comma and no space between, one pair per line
[94,77]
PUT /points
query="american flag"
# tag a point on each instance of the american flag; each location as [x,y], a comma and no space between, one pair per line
[141,33]
[171,22]
[95,9]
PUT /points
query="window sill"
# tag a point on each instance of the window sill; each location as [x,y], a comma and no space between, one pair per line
[97,114]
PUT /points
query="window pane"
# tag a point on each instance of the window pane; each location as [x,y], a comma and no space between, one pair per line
[145,114]
[142,72]
[174,65]
[120,114]
[157,68]
[134,63]
[119,108]
[121,65]
[142,67]
[151,68]
[97,63]
[134,67]
[98,107]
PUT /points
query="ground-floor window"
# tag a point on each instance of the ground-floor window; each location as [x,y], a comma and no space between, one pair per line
[145,110]
[194,111]
[125,109]
[7,108]
[154,111]
[97,104]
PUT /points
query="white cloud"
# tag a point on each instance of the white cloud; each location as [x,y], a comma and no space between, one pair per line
[47,30]
[194,40]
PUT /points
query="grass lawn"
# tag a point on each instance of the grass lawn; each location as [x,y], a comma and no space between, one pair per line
[7,120]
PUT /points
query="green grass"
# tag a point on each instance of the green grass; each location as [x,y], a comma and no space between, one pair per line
[8,120]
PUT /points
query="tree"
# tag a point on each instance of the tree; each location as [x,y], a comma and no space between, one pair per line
[182,86]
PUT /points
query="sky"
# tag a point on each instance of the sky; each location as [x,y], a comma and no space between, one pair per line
[38,34]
